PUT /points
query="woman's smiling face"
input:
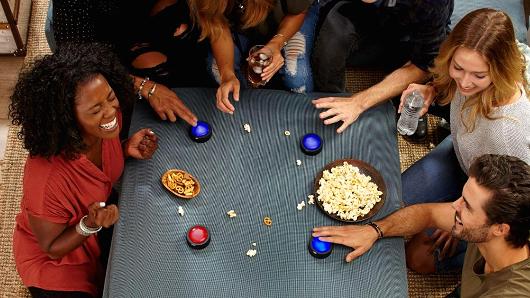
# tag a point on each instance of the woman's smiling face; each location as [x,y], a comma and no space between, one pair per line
[470,71]
[96,110]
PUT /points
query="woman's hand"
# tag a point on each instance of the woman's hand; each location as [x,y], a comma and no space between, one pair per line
[426,91]
[141,145]
[277,62]
[229,84]
[101,216]
[168,105]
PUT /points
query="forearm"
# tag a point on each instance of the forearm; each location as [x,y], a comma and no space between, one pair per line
[223,52]
[65,243]
[416,218]
[289,25]
[391,86]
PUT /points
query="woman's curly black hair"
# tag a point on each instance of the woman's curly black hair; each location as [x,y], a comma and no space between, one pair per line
[43,100]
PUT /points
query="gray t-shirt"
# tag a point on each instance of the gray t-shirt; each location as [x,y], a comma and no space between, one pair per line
[509,134]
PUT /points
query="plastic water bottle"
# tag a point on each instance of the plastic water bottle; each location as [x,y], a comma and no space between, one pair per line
[408,121]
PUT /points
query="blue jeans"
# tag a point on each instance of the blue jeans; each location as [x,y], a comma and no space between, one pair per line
[435,178]
[296,71]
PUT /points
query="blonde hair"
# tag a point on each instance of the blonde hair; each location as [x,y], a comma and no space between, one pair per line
[490,33]
[210,16]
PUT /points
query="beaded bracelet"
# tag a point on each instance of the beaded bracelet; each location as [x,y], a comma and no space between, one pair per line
[142,84]
[377,229]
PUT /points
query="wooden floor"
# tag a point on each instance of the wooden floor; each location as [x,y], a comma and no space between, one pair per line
[10,67]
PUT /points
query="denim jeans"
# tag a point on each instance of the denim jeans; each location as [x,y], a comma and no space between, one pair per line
[436,178]
[296,71]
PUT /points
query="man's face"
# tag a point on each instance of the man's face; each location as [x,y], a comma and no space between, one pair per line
[470,219]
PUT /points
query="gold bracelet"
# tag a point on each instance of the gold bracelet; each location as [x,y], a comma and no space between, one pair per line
[151,92]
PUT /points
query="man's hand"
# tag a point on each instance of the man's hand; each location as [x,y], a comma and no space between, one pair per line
[168,105]
[229,84]
[360,238]
[141,145]
[444,240]
[426,91]
[345,109]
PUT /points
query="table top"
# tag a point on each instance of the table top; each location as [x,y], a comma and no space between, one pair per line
[256,175]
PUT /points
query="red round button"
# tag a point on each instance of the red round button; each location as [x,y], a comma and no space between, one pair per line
[198,234]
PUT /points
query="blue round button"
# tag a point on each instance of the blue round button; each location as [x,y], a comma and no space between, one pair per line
[320,246]
[311,144]
[201,132]
[319,249]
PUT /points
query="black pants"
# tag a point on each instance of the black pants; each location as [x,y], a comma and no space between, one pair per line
[41,293]
[353,33]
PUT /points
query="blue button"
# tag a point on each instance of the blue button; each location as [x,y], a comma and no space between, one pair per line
[311,141]
[201,129]
[320,246]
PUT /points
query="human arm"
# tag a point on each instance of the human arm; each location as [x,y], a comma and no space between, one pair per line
[289,25]
[141,145]
[223,52]
[57,240]
[404,222]
[348,109]
[165,102]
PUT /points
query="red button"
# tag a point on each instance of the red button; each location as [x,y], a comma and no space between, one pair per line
[198,234]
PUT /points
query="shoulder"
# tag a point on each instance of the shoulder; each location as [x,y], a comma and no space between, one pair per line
[45,187]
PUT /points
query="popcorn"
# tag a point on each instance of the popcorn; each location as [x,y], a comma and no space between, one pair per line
[181,211]
[254,244]
[311,199]
[346,192]
[301,205]
[231,213]
[246,127]
[287,133]
[251,252]
[298,162]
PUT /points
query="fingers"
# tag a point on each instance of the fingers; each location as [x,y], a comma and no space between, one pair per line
[423,110]
[355,254]
[236,92]
[271,70]
[323,102]
[449,248]
[334,119]
[223,103]
[344,125]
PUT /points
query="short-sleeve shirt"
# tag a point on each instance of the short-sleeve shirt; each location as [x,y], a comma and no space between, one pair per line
[512,281]
[59,190]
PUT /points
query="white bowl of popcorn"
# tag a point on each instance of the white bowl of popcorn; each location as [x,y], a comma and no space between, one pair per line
[349,190]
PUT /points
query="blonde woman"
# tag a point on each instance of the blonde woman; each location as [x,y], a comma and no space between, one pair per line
[286,27]
[480,72]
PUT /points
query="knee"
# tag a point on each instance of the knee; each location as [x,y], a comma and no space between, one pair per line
[148,60]
[417,255]
[297,69]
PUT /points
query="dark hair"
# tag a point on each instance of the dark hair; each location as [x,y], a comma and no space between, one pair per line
[43,100]
[508,179]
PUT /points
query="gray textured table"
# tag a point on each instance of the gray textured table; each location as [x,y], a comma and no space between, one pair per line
[256,175]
